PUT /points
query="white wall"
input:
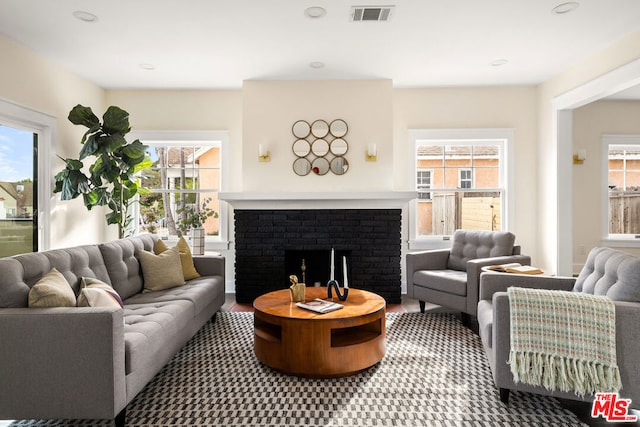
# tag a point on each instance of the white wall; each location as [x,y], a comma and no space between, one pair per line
[34,82]
[590,122]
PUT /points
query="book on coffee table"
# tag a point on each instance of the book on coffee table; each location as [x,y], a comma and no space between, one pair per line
[319,305]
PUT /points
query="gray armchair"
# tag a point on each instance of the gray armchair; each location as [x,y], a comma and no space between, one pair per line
[607,272]
[450,277]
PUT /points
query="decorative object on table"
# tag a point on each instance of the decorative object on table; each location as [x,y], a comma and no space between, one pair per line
[303,268]
[320,306]
[112,179]
[192,219]
[296,289]
[333,284]
[320,147]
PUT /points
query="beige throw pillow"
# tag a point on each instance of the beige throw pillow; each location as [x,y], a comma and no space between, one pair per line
[96,293]
[52,290]
[162,271]
[188,268]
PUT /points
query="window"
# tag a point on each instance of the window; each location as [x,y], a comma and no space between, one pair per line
[423,181]
[466,178]
[26,144]
[622,186]
[186,173]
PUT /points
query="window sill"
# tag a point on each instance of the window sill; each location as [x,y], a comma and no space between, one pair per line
[430,243]
[621,243]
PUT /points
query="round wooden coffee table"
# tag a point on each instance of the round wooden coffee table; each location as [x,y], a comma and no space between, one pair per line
[300,342]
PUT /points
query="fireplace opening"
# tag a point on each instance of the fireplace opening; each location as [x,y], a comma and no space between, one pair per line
[317,266]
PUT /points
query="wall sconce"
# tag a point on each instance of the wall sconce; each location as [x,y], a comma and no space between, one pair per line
[372,153]
[263,153]
[580,156]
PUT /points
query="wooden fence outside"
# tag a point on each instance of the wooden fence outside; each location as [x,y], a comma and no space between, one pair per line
[624,212]
[452,211]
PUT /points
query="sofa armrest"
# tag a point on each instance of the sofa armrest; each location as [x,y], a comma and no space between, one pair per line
[492,282]
[210,265]
[628,348]
[427,260]
[62,363]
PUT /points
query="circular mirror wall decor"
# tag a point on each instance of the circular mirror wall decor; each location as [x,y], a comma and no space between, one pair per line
[301,129]
[339,147]
[339,165]
[319,128]
[338,128]
[320,166]
[320,147]
[302,166]
[301,148]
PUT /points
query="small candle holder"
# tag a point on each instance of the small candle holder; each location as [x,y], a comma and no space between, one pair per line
[335,285]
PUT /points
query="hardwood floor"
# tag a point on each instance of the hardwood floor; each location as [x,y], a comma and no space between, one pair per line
[410,305]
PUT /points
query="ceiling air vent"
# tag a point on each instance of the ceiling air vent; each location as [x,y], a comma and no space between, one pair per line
[371,13]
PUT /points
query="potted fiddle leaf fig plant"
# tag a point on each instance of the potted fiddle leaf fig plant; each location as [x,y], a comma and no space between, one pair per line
[111,178]
[192,219]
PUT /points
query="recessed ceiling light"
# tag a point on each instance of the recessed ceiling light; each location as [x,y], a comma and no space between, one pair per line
[85,16]
[147,66]
[316,64]
[315,12]
[498,62]
[563,8]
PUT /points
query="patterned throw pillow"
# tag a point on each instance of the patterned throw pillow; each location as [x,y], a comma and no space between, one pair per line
[162,271]
[52,290]
[188,268]
[96,293]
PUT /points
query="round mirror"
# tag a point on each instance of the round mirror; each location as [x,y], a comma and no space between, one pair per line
[301,148]
[339,147]
[339,165]
[301,129]
[338,128]
[320,166]
[319,128]
[320,147]
[302,166]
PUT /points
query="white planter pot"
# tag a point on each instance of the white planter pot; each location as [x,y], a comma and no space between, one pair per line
[197,241]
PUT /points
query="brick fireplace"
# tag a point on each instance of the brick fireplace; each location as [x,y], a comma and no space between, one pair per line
[366,228]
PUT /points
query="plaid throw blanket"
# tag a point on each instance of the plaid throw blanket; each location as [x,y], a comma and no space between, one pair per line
[563,341]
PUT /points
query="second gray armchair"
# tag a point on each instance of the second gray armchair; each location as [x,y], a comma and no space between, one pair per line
[450,277]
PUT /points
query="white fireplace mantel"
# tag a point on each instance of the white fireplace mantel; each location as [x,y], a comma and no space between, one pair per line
[332,200]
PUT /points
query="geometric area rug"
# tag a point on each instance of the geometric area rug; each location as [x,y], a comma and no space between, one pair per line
[434,373]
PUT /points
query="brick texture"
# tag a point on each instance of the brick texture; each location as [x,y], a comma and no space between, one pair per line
[371,238]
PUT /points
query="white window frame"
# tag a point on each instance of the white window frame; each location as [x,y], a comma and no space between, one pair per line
[44,126]
[212,138]
[461,180]
[617,240]
[498,136]
[430,172]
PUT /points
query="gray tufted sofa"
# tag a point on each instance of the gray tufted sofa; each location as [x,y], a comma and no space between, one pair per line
[607,272]
[90,362]
[450,277]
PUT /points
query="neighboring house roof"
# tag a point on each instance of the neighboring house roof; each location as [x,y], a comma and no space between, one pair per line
[457,150]
[11,189]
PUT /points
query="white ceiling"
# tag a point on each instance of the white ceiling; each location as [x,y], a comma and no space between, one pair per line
[218,44]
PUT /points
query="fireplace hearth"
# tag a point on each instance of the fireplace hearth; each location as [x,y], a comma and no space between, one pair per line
[370,238]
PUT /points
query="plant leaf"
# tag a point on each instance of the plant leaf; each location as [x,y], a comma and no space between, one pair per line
[73,164]
[81,115]
[90,146]
[115,120]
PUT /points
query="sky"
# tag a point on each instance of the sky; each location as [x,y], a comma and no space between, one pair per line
[16,154]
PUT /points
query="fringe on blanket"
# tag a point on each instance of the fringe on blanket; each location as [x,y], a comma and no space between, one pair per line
[559,373]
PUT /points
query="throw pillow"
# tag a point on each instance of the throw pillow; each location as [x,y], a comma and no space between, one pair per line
[52,290]
[162,271]
[188,268]
[96,293]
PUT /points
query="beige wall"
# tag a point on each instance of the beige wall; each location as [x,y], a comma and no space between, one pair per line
[36,83]
[271,108]
[590,122]
[552,172]
[469,108]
